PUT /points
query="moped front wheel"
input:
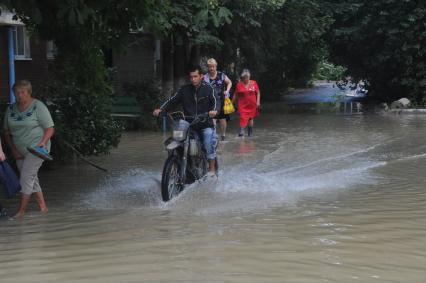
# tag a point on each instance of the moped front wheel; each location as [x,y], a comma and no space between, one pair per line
[171,184]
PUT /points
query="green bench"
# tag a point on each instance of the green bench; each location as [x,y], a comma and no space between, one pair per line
[126,107]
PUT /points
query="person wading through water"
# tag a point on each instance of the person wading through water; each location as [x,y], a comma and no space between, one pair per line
[247,94]
[222,86]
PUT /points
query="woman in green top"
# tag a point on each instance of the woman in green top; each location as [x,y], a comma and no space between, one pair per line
[28,123]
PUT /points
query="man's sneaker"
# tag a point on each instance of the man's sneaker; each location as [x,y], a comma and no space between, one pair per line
[223,138]
[211,175]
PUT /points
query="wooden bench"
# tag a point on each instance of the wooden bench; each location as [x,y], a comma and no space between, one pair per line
[126,107]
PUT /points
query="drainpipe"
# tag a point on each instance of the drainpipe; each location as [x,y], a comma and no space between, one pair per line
[11,65]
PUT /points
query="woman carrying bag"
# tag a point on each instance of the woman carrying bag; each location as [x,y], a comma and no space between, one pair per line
[222,87]
[28,127]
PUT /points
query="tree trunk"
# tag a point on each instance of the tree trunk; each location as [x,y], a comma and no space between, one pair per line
[168,67]
[195,55]
[180,59]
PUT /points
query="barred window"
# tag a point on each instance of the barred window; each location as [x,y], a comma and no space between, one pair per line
[51,50]
[21,43]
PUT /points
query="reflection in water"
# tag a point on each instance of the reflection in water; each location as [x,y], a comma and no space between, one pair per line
[307,199]
[247,146]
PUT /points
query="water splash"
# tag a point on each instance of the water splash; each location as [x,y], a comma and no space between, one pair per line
[134,188]
[245,186]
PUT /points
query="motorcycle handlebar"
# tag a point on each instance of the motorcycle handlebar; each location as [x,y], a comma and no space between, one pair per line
[198,118]
[195,119]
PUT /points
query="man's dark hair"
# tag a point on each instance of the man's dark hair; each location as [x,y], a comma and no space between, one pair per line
[195,68]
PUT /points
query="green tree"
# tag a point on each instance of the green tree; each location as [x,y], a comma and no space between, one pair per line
[280,41]
[197,21]
[192,26]
[80,91]
[383,43]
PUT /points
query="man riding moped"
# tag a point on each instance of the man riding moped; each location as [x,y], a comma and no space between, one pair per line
[197,98]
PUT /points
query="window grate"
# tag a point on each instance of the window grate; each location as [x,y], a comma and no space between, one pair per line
[21,43]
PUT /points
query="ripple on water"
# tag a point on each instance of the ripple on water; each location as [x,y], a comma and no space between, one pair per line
[311,199]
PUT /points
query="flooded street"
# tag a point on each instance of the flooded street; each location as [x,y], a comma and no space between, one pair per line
[310,198]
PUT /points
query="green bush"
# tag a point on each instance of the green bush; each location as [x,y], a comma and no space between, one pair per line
[148,94]
[82,119]
[328,71]
[79,98]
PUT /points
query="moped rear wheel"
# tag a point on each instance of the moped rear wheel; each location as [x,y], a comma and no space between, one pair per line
[171,184]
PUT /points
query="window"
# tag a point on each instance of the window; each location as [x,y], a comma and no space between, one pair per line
[51,50]
[21,43]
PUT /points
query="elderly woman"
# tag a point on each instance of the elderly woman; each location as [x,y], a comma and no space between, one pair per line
[222,87]
[247,94]
[28,123]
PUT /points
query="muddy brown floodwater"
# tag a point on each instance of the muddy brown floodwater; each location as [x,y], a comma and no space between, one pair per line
[310,198]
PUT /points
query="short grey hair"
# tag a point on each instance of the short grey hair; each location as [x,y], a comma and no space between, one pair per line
[212,61]
[245,73]
[26,84]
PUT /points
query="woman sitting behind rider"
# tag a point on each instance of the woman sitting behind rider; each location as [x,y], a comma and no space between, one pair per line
[205,102]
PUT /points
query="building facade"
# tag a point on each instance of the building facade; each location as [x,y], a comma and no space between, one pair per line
[141,59]
[21,57]
[24,57]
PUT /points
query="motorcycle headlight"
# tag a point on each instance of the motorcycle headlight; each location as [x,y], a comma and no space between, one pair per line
[178,135]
